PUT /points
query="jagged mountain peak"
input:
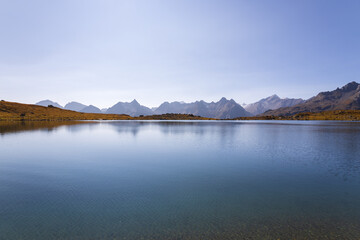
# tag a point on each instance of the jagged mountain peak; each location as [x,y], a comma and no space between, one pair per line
[223,99]
[350,86]
[135,102]
[275,96]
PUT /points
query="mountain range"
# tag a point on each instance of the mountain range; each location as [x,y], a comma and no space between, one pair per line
[223,109]
[345,98]
[73,106]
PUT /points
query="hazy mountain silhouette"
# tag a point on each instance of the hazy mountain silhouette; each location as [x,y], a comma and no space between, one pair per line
[75,106]
[46,103]
[223,109]
[91,109]
[133,109]
[272,102]
[345,98]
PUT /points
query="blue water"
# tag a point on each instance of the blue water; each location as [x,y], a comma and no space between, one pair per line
[180,180]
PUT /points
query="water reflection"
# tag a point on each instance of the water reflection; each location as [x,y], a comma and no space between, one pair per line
[179,180]
[22,126]
[334,145]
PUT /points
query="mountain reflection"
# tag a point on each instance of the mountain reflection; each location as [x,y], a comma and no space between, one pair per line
[332,145]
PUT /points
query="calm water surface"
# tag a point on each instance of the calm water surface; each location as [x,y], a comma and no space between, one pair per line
[180,180]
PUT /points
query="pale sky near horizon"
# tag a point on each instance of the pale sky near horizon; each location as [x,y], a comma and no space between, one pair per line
[105,51]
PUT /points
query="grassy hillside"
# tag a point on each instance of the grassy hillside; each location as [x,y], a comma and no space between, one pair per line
[344,115]
[11,111]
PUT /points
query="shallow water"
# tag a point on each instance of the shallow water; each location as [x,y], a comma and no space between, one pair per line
[180,180]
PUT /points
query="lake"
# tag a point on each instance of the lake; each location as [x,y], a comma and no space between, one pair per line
[180,180]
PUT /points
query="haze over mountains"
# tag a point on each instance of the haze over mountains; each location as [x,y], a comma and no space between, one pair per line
[46,103]
[272,102]
[223,109]
[91,109]
[345,98]
[133,109]
[75,106]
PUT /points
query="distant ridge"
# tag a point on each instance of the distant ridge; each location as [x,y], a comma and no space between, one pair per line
[272,102]
[345,98]
[133,109]
[91,109]
[223,109]
[46,103]
[79,107]
[75,106]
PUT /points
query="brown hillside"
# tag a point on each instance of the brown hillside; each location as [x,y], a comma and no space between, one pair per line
[11,111]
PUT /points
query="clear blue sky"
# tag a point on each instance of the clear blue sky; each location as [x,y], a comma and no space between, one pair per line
[105,51]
